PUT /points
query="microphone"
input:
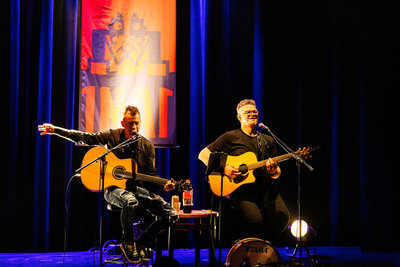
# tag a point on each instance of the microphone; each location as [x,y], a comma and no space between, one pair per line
[261,125]
[135,136]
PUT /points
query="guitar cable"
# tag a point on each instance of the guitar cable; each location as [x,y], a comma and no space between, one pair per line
[66,207]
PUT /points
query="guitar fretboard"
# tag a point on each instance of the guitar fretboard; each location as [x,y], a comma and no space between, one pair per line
[276,159]
[142,177]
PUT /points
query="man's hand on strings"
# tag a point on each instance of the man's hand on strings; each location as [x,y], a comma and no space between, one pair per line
[231,172]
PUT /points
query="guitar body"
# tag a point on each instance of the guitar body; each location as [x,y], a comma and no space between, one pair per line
[90,175]
[230,185]
[246,163]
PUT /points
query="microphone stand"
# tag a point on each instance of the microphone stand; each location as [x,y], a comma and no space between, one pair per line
[299,161]
[103,165]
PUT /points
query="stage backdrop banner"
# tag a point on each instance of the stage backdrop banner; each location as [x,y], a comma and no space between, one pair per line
[128,58]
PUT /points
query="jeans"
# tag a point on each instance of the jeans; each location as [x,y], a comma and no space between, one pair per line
[133,204]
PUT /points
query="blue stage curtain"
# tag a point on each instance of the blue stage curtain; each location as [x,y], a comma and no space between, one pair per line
[35,81]
[258,59]
[198,42]
[42,157]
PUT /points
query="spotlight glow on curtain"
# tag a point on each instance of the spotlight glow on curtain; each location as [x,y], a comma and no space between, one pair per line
[128,58]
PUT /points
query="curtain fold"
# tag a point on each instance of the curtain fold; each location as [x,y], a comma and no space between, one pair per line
[35,84]
[197,96]
[41,186]
[258,59]
[13,100]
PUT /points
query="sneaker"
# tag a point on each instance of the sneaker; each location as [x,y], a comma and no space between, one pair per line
[130,252]
[145,253]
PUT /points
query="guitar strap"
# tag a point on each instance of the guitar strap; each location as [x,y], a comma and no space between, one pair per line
[260,146]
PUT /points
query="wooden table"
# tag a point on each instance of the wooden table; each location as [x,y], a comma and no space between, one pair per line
[204,225]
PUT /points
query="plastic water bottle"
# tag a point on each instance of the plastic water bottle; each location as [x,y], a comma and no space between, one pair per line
[175,202]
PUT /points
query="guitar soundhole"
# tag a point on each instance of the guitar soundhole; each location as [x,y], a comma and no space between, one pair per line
[244,170]
[118,172]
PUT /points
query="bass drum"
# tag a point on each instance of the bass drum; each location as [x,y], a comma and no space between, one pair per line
[252,252]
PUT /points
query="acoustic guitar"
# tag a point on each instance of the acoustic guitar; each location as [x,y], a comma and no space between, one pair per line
[246,163]
[117,172]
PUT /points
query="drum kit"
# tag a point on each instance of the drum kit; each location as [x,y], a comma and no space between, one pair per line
[256,252]
[252,252]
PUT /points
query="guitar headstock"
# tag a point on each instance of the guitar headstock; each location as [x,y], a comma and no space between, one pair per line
[306,152]
[183,184]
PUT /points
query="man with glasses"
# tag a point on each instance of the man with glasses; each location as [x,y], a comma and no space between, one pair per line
[261,207]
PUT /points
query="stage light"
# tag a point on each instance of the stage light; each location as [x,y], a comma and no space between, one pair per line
[295,228]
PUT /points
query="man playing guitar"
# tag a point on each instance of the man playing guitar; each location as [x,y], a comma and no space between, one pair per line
[262,208]
[134,197]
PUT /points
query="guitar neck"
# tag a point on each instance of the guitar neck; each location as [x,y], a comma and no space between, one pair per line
[144,177]
[152,179]
[276,159]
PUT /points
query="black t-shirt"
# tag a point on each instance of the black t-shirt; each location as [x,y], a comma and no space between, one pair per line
[236,142]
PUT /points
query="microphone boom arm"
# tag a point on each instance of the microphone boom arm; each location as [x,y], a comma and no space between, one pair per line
[286,147]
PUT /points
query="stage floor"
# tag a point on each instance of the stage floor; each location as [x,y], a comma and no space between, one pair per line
[325,256]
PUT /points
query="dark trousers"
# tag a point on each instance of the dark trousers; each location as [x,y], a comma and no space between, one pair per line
[264,213]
